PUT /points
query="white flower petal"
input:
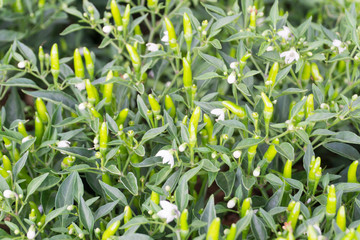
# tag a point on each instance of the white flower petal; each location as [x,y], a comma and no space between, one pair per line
[63,144]
[285,33]
[166,156]
[80,86]
[231,78]
[152,47]
[290,56]
[169,212]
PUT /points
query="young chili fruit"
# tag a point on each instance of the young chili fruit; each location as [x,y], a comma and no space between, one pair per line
[306,72]
[111,230]
[272,74]
[22,129]
[294,215]
[184,226]
[126,17]
[235,109]
[39,129]
[271,151]
[209,128]
[352,172]
[127,215]
[331,202]
[90,67]
[103,133]
[78,65]
[232,232]
[171,33]
[92,93]
[108,90]
[55,65]
[154,104]
[120,120]
[213,230]
[41,56]
[115,13]
[134,56]
[341,218]
[170,106]
[268,111]
[155,197]
[187,30]
[315,73]
[6,163]
[41,109]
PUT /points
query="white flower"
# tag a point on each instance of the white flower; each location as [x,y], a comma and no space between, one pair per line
[219,112]
[290,56]
[182,147]
[231,78]
[31,233]
[120,28]
[269,48]
[21,64]
[80,86]
[234,65]
[107,29]
[284,33]
[82,106]
[169,211]
[126,76]
[231,203]
[237,154]
[256,172]
[166,156]
[152,47]
[339,45]
[165,38]
[63,144]
[9,194]
[25,139]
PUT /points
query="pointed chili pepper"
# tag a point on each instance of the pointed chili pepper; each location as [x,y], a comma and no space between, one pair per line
[39,128]
[32,215]
[192,134]
[55,65]
[134,56]
[154,104]
[171,33]
[90,67]
[209,128]
[152,4]
[122,116]
[350,235]
[115,13]
[18,6]
[251,154]
[67,162]
[111,230]
[252,24]
[243,61]
[195,117]
[78,65]
[352,172]
[22,129]
[170,106]
[213,230]
[108,90]
[315,73]
[184,226]
[137,30]
[41,56]
[309,106]
[187,76]
[8,144]
[232,232]
[103,133]
[127,215]
[6,163]
[235,109]
[311,233]
[268,111]
[245,207]
[313,169]
[294,215]
[41,109]
[3,173]
[126,17]
[41,3]
[95,113]
[305,76]
[271,151]
[273,73]
[341,218]
[187,30]
[155,197]
[287,173]
[92,93]
[331,203]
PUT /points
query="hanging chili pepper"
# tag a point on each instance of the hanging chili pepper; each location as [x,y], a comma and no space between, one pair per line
[78,65]
[305,75]
[126,17]
[271,151]
[41,56]
[155,197]
[127,215]
[268,111]
[251,154]
[108,91]
[252,23]
[243,61]
[287,173]
[6,163]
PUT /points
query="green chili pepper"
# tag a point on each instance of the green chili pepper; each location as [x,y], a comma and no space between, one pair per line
[111,230]
[137,30]
[170,106]
[95,113]
[243,60]
[185,119]
[67,162]
[315,73]
[268,111]
[271,151]
[341,66]
[187,76]
[252,24]
[78,65]
[126,17]
[287,173]
[341,218]
[187,30]
[314,168]
[93,96]
[122,116]
[309,106]
[6,163]
[294,215]
[3,173]
[7,143]
[204,137]
[305,76]
[171,33]
[18,6]
[108,90]
[152,4]
[103,133]
[209,128]
[331,202]
[154,104]
[90,67]
[352,172]
[41,3]
[245,207]
[41,109]
[33,206]
[232,233]
[55,65]
[213,230]
[235,109]
[41,56]
[195,117]
[135,59]
[311,233]
[192,134]
[155,197]
[184,226]
[127,215]
[350,235]
[115,13]
[251,154]
[22,129]
[32,215]
[39,128]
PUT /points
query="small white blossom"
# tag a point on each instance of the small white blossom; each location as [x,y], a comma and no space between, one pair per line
[339,45]
[63,144]
[9,194]
[167,188]
[182,147]
[269,48]
[152,47]
[120,28]
[82,106]
[290,56]
[25,139]
[231,203]
[40,208]
[285,33]
[21,64]
[231,78]
[256,172]
[107,29]
[80,86]
[219,112]
[126,76]
[31,233]
[169,211]
[165,38]
[166,156]
[234,65]
[168,84]
[237,154]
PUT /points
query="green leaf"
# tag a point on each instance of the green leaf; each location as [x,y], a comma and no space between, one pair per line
[10,35]
[35,184]
[86,216]
[57,97]
[208,214]
[274,13]
[344,150]
[53,214]
[182,194]
[248,142]
[346,136]
[105,209]
[243,223]
[114,193]
[148,162]
[232,124]
[225,181]
[72,28]
[258,228]
[269,220]
[216,62]
[21,82]
[286,150]
[27,52]
[241,35]
[136,221]
[130,183]
[152,133]
[20,164]
[320,116]
[65,193]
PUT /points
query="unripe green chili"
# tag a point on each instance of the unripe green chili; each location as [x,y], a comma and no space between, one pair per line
[352,172]
[341,218]
[135,59]
[318,175]
[245,207]
[252,24]
[115,13]
[350,235]
[187,76]
[195,117]
[41,56]
[185,119]
[305,75]
[315,73]
[187,30]
[41,3]
[309,106]
[22,129]
[90,67]
[111,230]
[251,154]
[171,33]
[192,134]
[294,215]
[154,104]
[122,116]
[39,128]
[155,197]
[213,230]
[55,65]
[3,173]
[152,4]
[92,93]
[204,136]
[126,17]
[137,30]
[268,111]
[33,206]
[67,162]
[287,173]
[103,133]
[235,109]
[108,89]
[271,151]
[127,215]
[209,128]
[184,226]
[6,163]
[7,143]
[232,232]
[41,109]
[95,113]
[243,60]
[331,202]
[311,233]
[18,6]
[170,106]
[78,65]
[32,215]
[314,167]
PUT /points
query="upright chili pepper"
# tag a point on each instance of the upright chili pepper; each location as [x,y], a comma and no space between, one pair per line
[294,215]
[192,134]
[95,113]
[115,13]
[127,215]
[305,76]
[122,116]
[195,117]
[152,4]
[78,65]
[155,197]
[90,67]
[287,173]
[209,128]
[352,172]
[311,233]
[341,218]
[126,17]
[268,111]
[92,93]
[41,109]
[251,154]
[245,207]
[271,151]
[8,144]
[350,235]
[3,173]
[184,226]
[331,203]
[134,56]
[18,6]
[315,73]
[39,128]
[235,109]
[111,230]
[187,76]
[252,23]
[41,56]
[55,65]
[170,106]
[154,104]
[6,163]
[232,232]
[103,133]
[171,33]
[313,169]
[41,3]
[187,30]
[309,106]
[108,90]
[213,230]
[22,129]
[243,61]
[67,162]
